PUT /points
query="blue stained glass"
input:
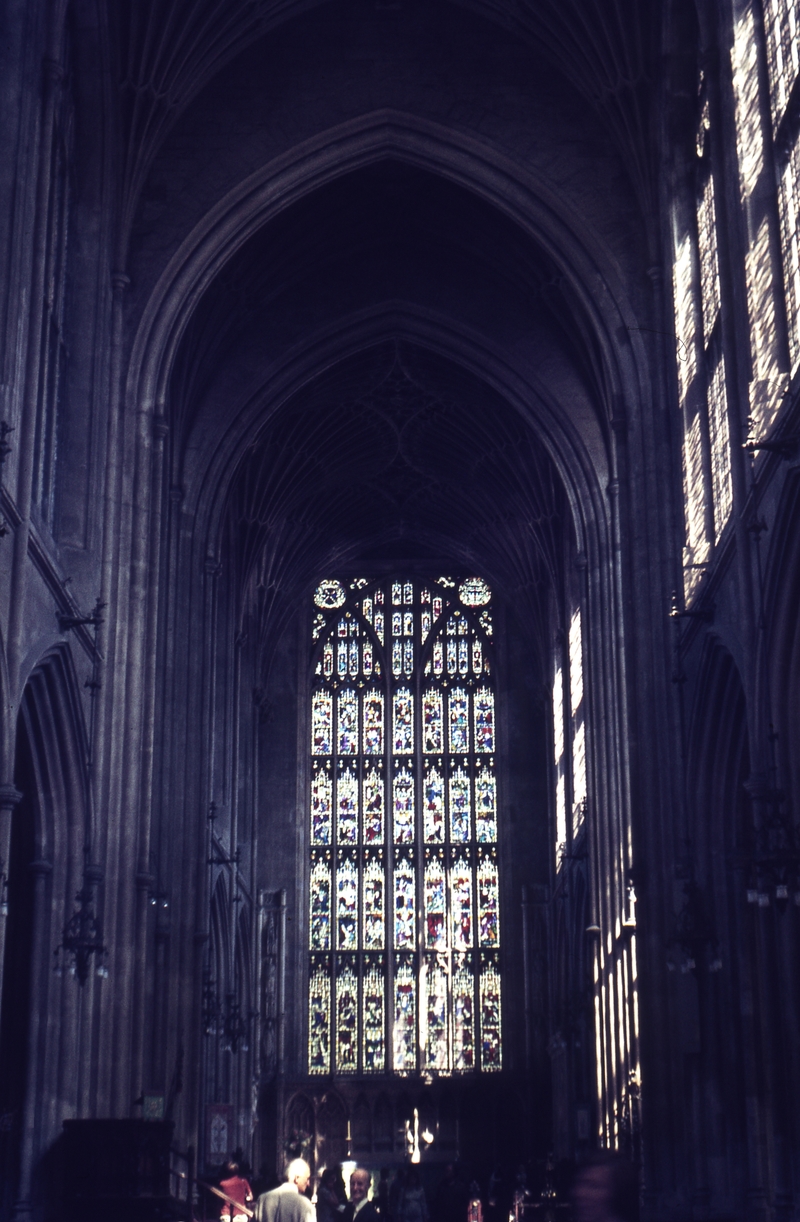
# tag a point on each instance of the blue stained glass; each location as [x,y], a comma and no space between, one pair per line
[347,807]
[346,1020]
[463,1019]
[403,722]
[405,934]
[488,915]
[348,722]
[435,905]
[321,723]
[484,720]
[319,1021]
[347,905]
[477,655]
[320,906]
[434,807]
[373,723]
[404,1033]
[432,721]
[403,794]
[485,807]
[436,1051]
[374,1018]
[458,710]
[446,970]
[321,806]
[459,806]
[374,901]
[461,905]
[373,805]
[490,1018]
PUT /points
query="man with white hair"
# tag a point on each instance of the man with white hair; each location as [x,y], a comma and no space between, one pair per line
[287,1203]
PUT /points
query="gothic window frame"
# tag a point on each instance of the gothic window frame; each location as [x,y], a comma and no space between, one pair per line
[401,989]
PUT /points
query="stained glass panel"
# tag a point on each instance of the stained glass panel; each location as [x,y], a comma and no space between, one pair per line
[459,806]
[435,905]
[321,723]
[403,807]
[321,806]
[484,720]
[330,594]
[320,905]
[346,1019]
[433,816]
[347,807]
[458,711]
[374,1016]
[347,905]
[319,1020]
[372,806]
[485,807]
[463,1019]
[436,1017]
[348,722]
[405,1019]
[474,592]
[405,934]
[488,903]
[373,723]
[374,934]
[360,905]
[403,722]
[432,721]
[490,1017]
[461,904]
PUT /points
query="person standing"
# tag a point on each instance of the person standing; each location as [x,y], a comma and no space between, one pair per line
[413,1207]
[238,1189]
[360,1205]
[288,1202]
[329,1207]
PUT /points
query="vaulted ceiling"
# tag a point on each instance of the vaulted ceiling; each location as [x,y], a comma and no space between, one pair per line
[335,355]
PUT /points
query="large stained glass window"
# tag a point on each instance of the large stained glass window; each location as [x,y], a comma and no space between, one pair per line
[404,896]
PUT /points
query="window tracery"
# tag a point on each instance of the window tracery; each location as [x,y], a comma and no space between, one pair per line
[404,897]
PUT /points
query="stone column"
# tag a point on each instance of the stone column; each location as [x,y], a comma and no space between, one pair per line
[10,797]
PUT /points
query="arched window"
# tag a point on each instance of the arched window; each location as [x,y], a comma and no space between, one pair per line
[404,929]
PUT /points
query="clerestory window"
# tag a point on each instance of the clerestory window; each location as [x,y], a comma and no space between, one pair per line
[404,898]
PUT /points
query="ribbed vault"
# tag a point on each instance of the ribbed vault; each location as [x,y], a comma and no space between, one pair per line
[395,456]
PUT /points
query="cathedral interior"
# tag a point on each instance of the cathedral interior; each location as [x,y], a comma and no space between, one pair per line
[400,591]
